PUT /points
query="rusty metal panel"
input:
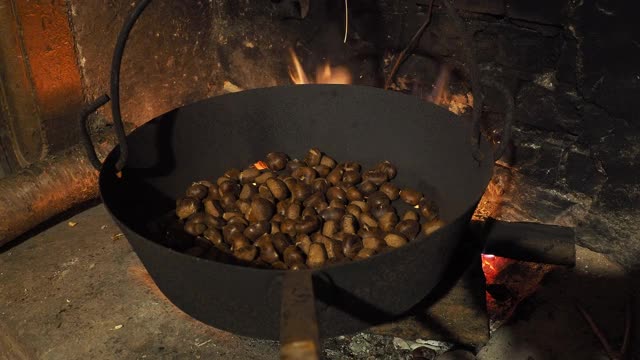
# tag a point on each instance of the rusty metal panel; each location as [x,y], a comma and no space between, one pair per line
[20,130]
[49,46]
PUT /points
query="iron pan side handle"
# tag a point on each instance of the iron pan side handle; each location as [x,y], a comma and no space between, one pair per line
[115,96]
[527,241]
[299,334]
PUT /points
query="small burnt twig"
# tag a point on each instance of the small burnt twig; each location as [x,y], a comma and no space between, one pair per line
[627,328]
[346,20]
[412,44]
[612,354]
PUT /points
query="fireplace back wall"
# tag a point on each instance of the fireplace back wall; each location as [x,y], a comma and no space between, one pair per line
[570,65]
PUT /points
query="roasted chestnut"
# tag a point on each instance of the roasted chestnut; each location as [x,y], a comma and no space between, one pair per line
[351,177]
[329,228]
[195,229]
[327,161]
[280,241]
[238,241]
[365,253]
[298,266]
[410,196]
[267,251]
[351,246]
[294,164]
[375,176]
[388,169]
[300,191]
[292,255]
[213,235]
[304,174]
[410,215]
[353,194]
[262,178]
[187,206]
[354,210]
[388,221]
[322,170]
[276,161]
[313,200]
[366,219]
[349,224]
[408,228]
[392,191]
[335,176]
[288,227]
[351,166]
[317,255]
[335,193]
[395,240]
[233,174]
[246,254]
[278,188]
[303,242]
[247,192]
[261,209]
[372,242]
[367,187]
[309,211]
[334,214]
[228,187]
[430,227]
[428,209]
[293,211]
[230,229]
[313,157]
[249,175]
[257,229]
[213,207]
[320,185]
[307,224]
[197,191]
[228,202]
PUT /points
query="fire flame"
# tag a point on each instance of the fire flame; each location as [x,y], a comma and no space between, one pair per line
[325,74]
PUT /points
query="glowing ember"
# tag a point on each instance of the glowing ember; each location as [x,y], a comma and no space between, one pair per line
[260,165]
[325,74]
[492,265]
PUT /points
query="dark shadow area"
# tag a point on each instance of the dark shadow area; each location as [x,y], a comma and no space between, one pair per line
[62,217]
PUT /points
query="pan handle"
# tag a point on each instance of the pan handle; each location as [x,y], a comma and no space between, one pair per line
[84,130]
[116,62]
[299,334]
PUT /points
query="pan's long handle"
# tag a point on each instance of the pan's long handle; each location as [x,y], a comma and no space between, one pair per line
[299,335]
[526,241]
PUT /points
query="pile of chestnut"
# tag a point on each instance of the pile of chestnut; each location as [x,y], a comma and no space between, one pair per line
[299,214]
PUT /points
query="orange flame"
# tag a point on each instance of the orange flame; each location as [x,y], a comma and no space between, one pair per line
[440,95]
[325,74]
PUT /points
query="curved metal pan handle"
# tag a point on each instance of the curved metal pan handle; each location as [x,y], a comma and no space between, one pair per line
[115,96]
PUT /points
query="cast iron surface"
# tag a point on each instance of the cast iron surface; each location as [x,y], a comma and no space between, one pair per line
[428,144]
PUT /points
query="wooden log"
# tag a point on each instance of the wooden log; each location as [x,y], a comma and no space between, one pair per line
[47,188]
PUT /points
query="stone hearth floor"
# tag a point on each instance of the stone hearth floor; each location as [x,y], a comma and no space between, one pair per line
[80,292]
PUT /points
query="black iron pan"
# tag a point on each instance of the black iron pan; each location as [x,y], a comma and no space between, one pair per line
[140,182]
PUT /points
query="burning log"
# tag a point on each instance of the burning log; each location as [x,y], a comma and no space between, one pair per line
[46,189]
